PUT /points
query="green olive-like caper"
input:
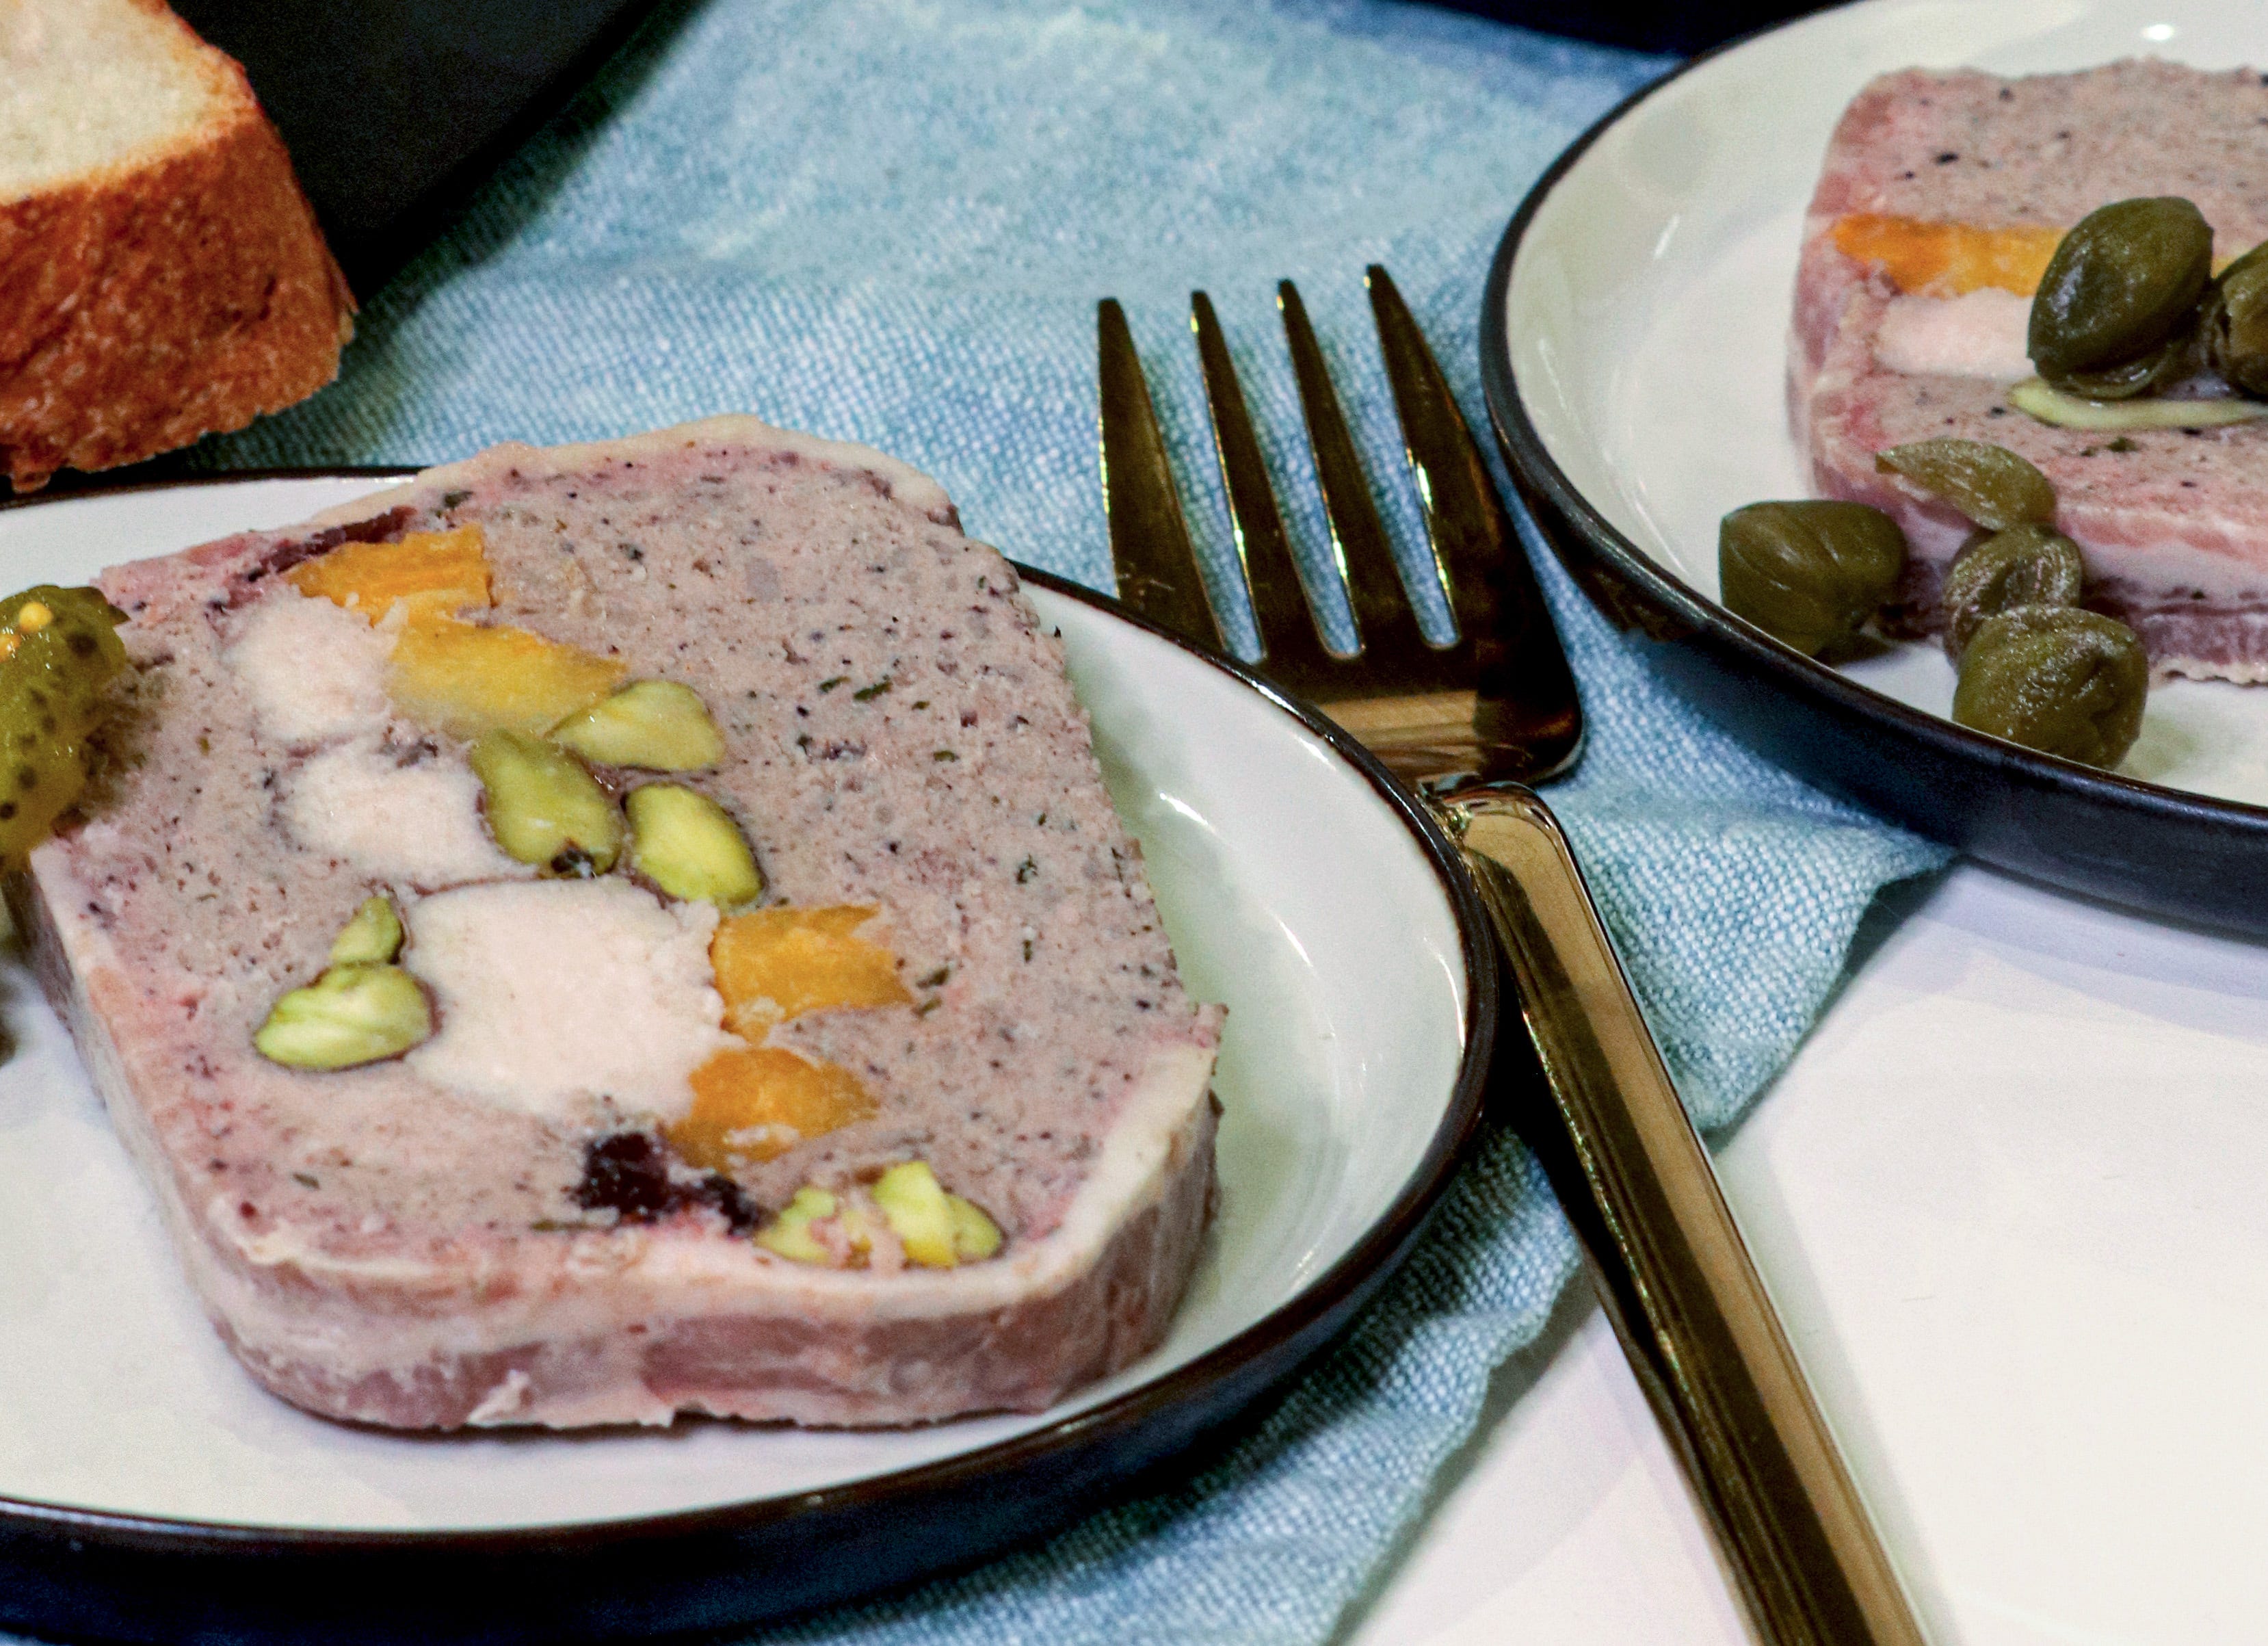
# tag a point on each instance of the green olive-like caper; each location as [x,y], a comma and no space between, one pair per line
[2058,679]
[2169,362]
[2115,308]
[2235,326]
[1991,485]
[1996,572]
[1809,574]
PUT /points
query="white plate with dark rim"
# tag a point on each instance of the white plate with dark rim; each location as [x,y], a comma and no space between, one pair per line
[145,1482]
[1633,350]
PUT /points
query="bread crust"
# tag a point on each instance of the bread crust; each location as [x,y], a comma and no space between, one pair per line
[179,293]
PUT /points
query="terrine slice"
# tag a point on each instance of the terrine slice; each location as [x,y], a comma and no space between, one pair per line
[523,1221]
[1942,196]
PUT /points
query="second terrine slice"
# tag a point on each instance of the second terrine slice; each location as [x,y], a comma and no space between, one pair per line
[1943,196]
[626,929]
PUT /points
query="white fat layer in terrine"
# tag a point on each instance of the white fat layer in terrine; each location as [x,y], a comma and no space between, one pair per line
[1979,334]
[416,824]
[2215,561]
[639,1276]
[316,671]
[556,992]
[2225,570]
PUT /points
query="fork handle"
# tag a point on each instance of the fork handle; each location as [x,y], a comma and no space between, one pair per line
[1676,1279]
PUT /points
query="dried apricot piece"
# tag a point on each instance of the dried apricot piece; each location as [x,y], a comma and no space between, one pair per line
[751,1103]
[436,571]
[1948,259]
[776,964]
[465,679]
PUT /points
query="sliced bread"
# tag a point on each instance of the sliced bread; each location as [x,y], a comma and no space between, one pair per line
[161,275]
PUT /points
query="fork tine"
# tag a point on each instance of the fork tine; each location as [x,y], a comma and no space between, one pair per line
[1385,624]
[1526,695]
[1158,573]
[1468,538]
[1290,634]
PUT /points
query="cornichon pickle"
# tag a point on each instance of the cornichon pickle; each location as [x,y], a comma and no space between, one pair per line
[1809,574]
[2113,310]
[1996,572]
[543,808]
[685,844]
[2235,328]
[59,648]
[351,1014]
[1990,483]
[659,725]
[373,936]
[2057,679]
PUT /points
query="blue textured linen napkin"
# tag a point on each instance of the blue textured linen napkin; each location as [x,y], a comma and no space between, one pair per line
[889,220]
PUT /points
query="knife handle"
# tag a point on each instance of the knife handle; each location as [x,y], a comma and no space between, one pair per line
[1678,1280]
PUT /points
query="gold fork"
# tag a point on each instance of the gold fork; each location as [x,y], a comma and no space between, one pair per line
[1458,722]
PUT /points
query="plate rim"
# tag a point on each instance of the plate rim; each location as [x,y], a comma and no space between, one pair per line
[1300,1326]
[1555,499]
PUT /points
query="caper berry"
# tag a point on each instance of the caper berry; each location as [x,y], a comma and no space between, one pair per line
[1996,572]
[2235,328]
[1808,573]
[1990,483]
[2057,679]
[2115,308]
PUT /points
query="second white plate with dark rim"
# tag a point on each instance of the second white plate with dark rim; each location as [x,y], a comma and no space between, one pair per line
[1633,350]
[148,1487]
